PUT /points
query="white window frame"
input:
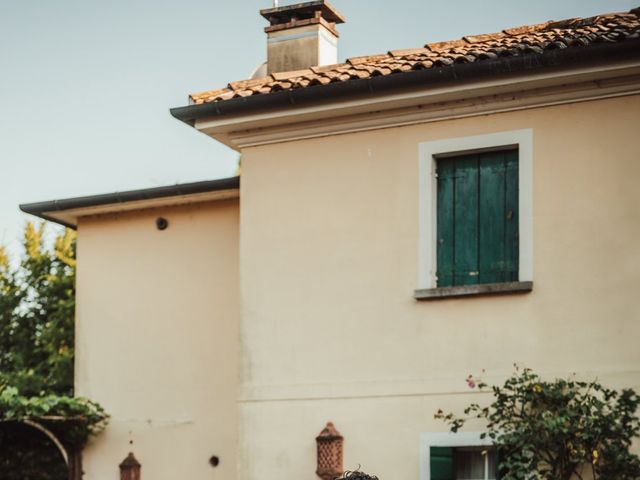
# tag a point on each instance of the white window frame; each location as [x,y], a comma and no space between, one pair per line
[447,439]
[429,152]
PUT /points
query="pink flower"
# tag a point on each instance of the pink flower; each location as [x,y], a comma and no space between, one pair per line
[471,382]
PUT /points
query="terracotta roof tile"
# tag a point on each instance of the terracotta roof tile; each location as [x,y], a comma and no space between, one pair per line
[524,40]
[443,46]
[366,59]
[328,69]
[245,84]
[484,38]
[289,75]
[409,51]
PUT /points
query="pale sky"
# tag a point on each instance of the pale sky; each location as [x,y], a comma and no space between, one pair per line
[86,85]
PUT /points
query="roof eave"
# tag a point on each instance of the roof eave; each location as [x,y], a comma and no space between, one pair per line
[67,211]
[567,59]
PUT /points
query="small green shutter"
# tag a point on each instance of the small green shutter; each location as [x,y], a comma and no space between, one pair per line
[446,178]
[478,219]
[498,458]
[512,235]
[441,462]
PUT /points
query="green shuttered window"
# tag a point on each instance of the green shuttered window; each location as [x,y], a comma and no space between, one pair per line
[463,463]
[478,218]
[441,459]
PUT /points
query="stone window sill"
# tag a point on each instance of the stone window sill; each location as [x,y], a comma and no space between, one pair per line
[473,290]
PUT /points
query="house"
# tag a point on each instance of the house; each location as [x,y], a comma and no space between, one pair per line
[403,220]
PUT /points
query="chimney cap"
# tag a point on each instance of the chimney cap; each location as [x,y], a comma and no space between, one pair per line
[287,13]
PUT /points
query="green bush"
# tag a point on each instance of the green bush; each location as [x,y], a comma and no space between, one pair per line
[558,429]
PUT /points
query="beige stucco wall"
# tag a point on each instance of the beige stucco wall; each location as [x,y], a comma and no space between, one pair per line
[329,250]
[157,339]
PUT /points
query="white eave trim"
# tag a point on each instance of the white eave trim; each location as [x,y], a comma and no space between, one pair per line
[425,105]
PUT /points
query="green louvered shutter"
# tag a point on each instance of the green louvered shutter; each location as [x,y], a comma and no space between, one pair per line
[441,463]
[478,219]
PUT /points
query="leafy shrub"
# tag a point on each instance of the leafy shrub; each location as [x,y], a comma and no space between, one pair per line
[558,429]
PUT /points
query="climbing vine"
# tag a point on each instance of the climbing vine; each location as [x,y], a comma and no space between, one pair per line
[73,419]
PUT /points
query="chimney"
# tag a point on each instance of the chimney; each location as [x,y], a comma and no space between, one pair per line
[301,36]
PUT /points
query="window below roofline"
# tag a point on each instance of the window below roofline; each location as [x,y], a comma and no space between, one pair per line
[429,153]
[446,439]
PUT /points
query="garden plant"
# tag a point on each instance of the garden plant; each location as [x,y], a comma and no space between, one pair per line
[557,430]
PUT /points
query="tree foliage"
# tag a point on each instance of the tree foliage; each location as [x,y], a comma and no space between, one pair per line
[37,303]
[558,430]
[37,300]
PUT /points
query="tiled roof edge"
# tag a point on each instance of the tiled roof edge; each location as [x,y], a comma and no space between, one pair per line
[535,39]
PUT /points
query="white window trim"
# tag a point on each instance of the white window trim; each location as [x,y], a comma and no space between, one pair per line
[459,439]
[428,197]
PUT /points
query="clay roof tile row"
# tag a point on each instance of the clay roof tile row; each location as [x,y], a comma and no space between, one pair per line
[524,40]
